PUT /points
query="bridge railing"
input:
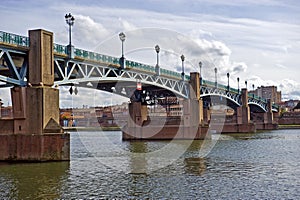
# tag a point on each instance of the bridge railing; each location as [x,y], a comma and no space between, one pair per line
[60,49]
[92,56]
[19,40]
[14,39]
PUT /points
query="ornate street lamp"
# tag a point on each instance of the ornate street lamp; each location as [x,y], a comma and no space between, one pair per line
[200,66]
[216,78]
[122,37]
[70,21]
[228,82]
[238,81]
[246,85]
[182,73]
[253,89]
[157,70]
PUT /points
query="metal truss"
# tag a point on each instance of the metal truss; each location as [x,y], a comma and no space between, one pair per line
[213,91]
[13,67]
[234,97]
[261,104]
[76,72]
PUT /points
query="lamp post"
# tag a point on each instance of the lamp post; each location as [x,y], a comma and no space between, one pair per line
[200,66]
[238,81]
[246,85]
[216,79]
[182,73]
[157,70]
[70,21]
[253,89]
[228,81]
[122,37]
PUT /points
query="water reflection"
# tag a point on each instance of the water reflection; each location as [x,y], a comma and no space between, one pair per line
[138,162]
[196,166]
[33,181]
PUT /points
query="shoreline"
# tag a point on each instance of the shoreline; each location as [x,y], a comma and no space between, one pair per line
[81,128]
[289,126]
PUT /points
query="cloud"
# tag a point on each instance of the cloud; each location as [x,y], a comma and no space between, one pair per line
[127,26]
[95,98]
[5,96]
[87,32]
[281,66]
[239,67]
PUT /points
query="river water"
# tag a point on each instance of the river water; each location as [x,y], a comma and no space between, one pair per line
[239,166]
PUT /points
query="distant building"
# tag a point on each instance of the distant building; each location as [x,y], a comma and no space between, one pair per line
[297,107]
[288,106]
[268,92]
[6,112]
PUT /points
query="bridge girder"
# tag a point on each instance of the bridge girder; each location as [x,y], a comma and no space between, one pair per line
[13,67]
[74,72]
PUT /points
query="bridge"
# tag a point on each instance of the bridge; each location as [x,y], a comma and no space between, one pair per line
[35,66]
[104,71]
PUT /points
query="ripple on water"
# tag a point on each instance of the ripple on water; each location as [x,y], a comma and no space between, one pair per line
[245,166]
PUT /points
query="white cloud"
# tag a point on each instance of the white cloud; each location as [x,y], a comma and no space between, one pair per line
[88,33]
[127,26]
[5,96]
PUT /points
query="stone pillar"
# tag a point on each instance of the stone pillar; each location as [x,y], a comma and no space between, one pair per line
[36,108]
[1,108]
[193,111]
[37,133]
[206,115]
[197,105]
[138,113]
[243,112]
[268,116]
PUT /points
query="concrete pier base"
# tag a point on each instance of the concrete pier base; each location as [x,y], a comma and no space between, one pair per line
[266,126]
[168,132]
[34,148]
[239,128]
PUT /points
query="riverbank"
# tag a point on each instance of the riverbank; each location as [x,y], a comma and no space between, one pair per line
[91,128]
[289,126]
[280,126]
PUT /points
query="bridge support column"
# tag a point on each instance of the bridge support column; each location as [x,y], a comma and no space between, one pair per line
[206,115]
[34,134]
[193,116]
[244,125]
[188,127]
[268,123]
[138,114]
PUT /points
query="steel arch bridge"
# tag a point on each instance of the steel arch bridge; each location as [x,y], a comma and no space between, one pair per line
[209,89]
[102,72]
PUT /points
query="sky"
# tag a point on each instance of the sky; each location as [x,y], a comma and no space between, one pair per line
[257,41]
